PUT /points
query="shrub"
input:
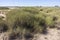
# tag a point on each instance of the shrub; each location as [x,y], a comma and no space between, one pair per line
[49,21]
[25,21]
[41,9]
[3,8]
[31,10]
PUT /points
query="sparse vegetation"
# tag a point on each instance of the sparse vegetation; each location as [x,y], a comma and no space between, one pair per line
[3,8]
[29,20]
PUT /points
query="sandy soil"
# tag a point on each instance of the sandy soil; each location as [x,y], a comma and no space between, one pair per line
[53,34]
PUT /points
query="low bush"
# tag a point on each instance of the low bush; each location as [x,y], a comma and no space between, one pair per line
[25,21]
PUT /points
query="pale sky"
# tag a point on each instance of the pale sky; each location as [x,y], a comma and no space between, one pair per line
[29,2]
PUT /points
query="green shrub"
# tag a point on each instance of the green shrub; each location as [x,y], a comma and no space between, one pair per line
[49,21]
[22,20]
[31,10]
[41,9]
[3,8]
